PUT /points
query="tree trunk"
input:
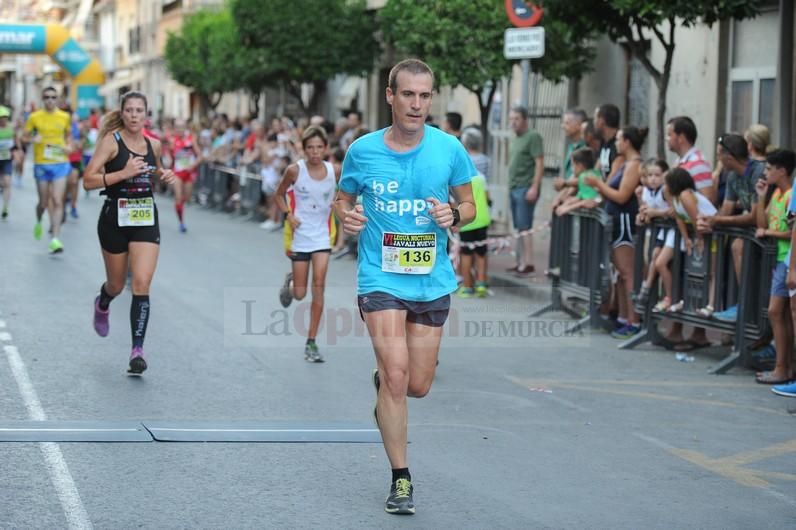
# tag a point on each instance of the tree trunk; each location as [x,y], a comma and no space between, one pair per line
[295,91]
[214,100]
[318,90]
[485,108]
[254,105]
[663,88]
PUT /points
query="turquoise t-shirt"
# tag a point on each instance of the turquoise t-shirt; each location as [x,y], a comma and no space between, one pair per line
[402,251]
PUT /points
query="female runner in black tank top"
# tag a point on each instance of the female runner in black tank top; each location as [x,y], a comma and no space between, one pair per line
[124,163]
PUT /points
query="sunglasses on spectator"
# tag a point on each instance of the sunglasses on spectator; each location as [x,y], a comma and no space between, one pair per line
[50,97]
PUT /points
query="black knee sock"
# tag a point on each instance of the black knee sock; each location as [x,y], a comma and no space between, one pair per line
[402,472]
[139,317]
[105,298]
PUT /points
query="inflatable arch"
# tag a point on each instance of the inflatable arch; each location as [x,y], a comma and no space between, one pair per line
[55,41]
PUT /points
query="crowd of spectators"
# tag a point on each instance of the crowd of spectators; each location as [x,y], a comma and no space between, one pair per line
[748,187]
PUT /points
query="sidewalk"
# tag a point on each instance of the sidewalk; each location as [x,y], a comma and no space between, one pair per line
[537,286]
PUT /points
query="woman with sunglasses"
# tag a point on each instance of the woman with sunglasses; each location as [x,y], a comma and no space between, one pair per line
[125,162]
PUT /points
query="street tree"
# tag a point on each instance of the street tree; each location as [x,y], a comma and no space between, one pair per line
[462,41]
[635,23]
[307,42]
[205,55]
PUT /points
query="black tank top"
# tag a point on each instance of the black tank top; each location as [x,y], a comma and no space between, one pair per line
[139,186]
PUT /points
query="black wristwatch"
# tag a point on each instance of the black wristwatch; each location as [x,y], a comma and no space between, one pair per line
[456,216]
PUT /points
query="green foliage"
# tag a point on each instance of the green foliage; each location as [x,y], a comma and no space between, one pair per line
[205,54]
[635,22]
[306,42]
[462,40]
[622,19]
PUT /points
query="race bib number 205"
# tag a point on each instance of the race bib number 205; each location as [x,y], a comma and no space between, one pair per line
[408,253]
[136,212]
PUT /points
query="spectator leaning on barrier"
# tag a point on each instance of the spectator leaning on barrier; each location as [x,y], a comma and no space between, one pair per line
[586,196]
[526,170]
[591,138]
[688,205]
[606,124]
[572,125]
[622,205]
[758,142]
[681,137]
[653,206]
[738,208]
[773,222]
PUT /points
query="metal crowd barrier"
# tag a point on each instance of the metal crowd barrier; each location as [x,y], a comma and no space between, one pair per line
[579,264]
[691,283]
[217,185]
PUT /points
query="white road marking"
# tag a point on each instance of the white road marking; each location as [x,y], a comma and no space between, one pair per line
[76,515]
[52,429]
[261,430]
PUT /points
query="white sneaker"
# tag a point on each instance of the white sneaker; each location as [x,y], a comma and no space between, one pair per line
[268,224]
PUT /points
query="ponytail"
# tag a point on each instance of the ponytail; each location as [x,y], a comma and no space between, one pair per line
[111,123]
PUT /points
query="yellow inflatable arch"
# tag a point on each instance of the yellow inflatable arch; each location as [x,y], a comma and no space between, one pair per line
[55,41]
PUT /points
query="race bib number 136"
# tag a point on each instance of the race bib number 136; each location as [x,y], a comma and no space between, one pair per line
[408,253]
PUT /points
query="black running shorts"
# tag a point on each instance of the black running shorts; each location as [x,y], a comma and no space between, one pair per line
[433,313]
[115,239]
[473,236]
[306,256]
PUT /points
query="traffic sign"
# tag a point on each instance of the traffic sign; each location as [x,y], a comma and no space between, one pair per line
[523,14]
[523,43]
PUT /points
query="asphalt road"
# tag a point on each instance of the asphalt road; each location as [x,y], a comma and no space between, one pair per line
[525,427]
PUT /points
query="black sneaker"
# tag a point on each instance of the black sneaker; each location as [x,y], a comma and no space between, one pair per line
[285,296]
[400,500]
[376,385]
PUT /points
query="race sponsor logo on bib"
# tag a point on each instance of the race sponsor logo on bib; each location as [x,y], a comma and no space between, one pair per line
[183,163]
[136,212]
[5,149]
[408,253]
[54,152]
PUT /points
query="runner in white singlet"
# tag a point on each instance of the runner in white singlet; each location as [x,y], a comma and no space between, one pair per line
[305,196]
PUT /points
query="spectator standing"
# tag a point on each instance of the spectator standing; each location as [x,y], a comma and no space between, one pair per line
[354,125]
[772,221]
[591,138]
[452,124]
[622,205]
[606,124]
[758,142]
[681,136]
[473,142]
[526,169]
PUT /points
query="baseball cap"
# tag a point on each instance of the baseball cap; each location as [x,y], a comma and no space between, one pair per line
[5,112]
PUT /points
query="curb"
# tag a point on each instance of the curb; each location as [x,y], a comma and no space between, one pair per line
[536,288]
